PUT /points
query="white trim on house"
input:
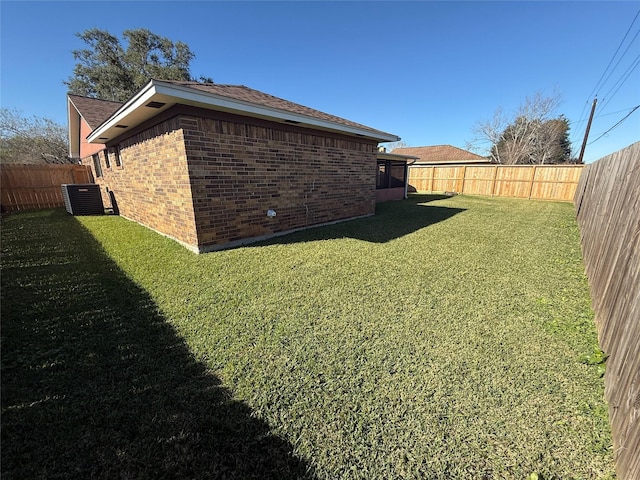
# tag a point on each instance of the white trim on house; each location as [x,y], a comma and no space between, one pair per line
[134,112]
[73,132]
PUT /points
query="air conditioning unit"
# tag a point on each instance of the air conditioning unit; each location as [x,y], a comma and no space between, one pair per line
[82,199]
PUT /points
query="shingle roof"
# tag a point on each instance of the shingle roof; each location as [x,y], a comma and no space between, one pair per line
[440,154]
[246,94]
[93,110]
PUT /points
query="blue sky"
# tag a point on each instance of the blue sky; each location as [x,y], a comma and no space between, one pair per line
[425,71]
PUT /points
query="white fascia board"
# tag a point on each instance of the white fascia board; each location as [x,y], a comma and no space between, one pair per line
[189,96]
[134,103]
[73,129]
[395,156]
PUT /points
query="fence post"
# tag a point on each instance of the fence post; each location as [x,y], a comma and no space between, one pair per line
[433,171]
[533,177]
[464,177]
[495,178]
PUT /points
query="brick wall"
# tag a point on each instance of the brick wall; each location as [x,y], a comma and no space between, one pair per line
[237,169]
[240,170]
[152,186]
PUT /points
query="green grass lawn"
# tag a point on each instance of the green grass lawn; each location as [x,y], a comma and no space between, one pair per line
[444,338]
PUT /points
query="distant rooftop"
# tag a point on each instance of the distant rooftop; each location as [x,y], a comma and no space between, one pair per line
[441,154]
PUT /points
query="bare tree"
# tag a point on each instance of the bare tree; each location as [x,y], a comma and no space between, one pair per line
[530,135]
[489,133]
[31,140]
[393,145]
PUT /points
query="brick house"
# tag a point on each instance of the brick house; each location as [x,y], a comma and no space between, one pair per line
[214,166]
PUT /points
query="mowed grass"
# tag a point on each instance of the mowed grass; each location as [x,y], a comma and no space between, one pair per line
[444,338]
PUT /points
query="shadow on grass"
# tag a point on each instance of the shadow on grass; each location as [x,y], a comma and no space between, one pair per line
[393,219]
[97,384]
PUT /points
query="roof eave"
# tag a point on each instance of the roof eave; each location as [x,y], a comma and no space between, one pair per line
[395,156]
[73,130]
[134,112]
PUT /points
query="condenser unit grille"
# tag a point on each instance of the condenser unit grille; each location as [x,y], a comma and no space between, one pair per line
[82,199]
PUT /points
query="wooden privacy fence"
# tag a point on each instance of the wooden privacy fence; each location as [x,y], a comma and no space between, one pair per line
[540,182]
[26,187]
[608,212]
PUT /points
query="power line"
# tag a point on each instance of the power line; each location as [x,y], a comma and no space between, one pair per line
[607,68]
[619,83]
[617,124]
[582,118]
[614,55]
[613,113]
[574,125]
[620,59]
[627,73]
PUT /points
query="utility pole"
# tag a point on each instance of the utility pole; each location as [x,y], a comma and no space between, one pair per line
[586,133]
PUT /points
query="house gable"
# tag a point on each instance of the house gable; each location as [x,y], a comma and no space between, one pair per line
[84,115]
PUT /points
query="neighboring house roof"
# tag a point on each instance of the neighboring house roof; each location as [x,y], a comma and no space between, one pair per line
[159,95]
[441,154]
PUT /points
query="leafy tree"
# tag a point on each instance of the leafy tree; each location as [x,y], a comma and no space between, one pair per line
[552,142]
[533,136]
[564,143]
[31,140]
[109,71]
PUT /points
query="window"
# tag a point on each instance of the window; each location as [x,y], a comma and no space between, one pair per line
[106,158]
[96,165]
[391,174]
[396,175]
[382,178]
[115,151]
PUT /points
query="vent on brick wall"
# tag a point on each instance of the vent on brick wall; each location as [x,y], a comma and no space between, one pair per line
[82,199]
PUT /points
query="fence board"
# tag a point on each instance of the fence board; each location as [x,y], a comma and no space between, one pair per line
[448,179]
[26,187]
[479,180]
[540,182]
[608,212]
